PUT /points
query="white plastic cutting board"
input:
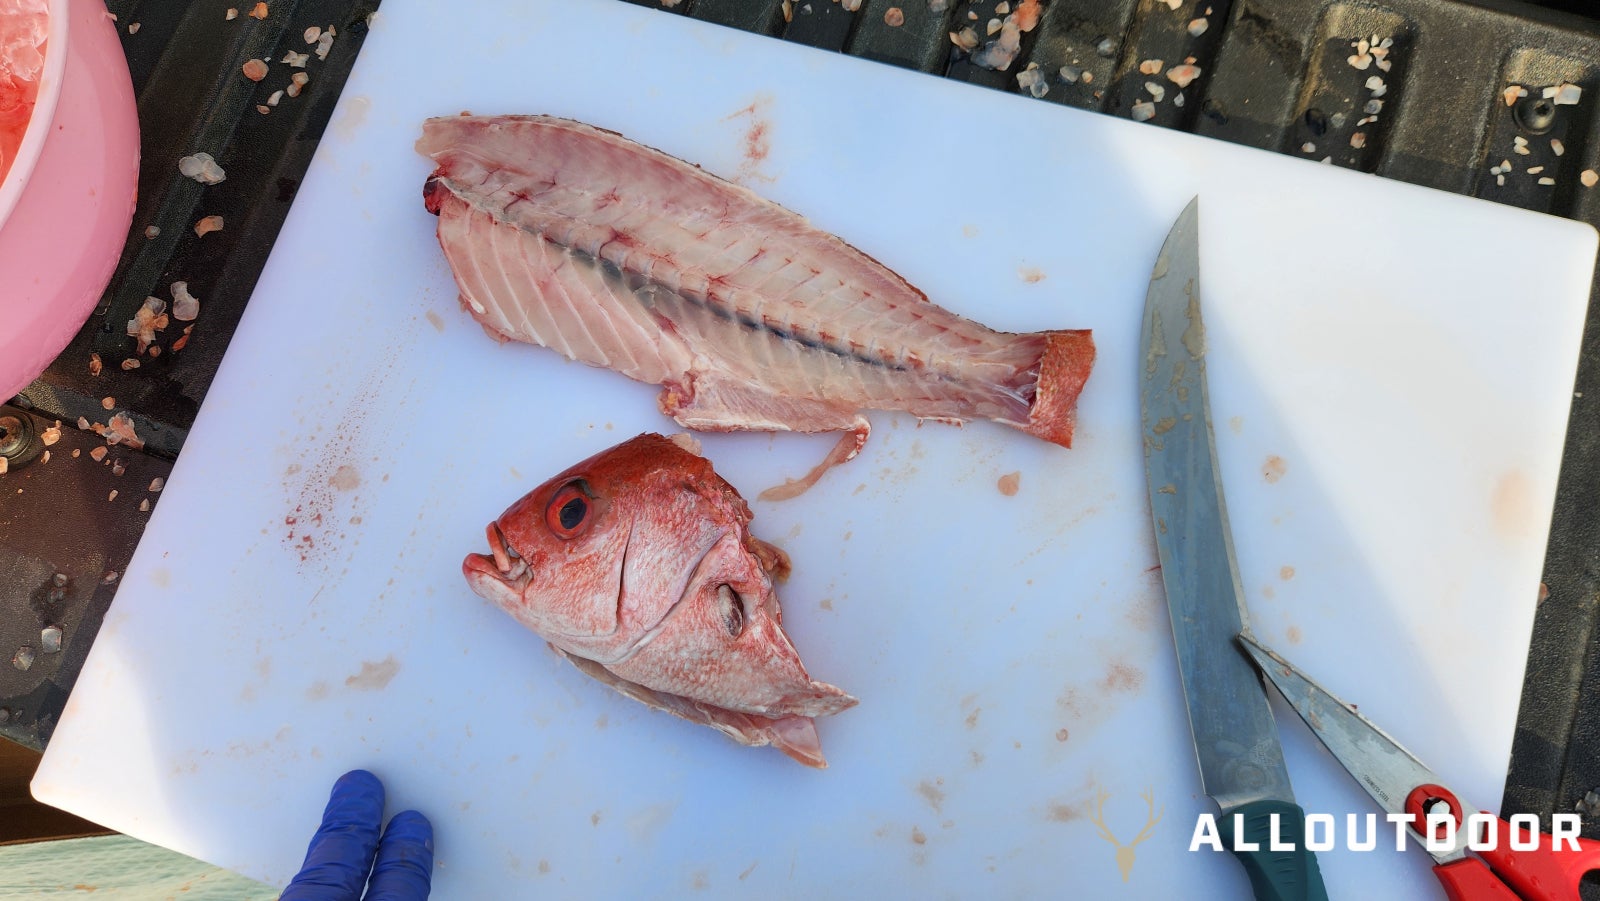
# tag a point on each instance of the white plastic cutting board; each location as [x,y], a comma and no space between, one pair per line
[1390,396]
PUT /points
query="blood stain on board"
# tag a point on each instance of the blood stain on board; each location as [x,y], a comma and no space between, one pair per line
[317,690]
[1293,634]
[1512,505]
[1062,734]
[435,320]
[1031,274]
[1063,813]
[972,718]
[1274,468]
[931,793]
[1010,483]
[1286,572]
[374,676]
[1122,677]
[345,478]
[917,836]
[756,143]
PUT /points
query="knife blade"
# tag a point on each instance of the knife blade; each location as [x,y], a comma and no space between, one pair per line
[1235,738]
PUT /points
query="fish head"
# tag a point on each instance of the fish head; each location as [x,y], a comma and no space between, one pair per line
[603,557]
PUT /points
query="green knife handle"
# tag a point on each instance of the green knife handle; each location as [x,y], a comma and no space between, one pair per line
[1274,875]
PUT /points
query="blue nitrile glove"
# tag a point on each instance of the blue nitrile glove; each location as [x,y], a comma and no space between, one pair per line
[346,848]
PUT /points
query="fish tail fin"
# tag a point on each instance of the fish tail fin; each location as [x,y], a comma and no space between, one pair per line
[797,737]
[1063,368]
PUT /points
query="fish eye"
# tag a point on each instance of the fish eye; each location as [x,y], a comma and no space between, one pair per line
[568,511]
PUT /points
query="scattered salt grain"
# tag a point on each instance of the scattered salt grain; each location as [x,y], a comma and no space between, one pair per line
[120,431]
[1535,170]
[259,11]
[133,27]
[1567,94]
[1174,5]
[130,363]
[1376,86]
[185,306]
[1547,181]
[1143,111]
[110,576]
[296,82]
[1106,48]
[1001,53]
[1197,27]
[232,14]
[75,452]
[83,424]
[1359,61]
[118,468]
[254,69]
[1556,147]
[1589,178]
[1071,74]
[150,231]
[934,6]
[1358,140]
[894,17]
[44,457]
[850,6]
[993,27]
[50,639]
[312,34]
[157,483]
[146,321]
[97,454]
[51,435]
[208,225]
[1373,107]
[1032,80]
[263,109]
[273,100]
[1002,8]
[1308,147]
[1157,92]
[325,43]
[112,496]
[966,38]
[95,364]
[23,658]
[144,506]
[202,168]
[1151,67]
[1177,100]
[295,60]
[108,402]
[1183,75]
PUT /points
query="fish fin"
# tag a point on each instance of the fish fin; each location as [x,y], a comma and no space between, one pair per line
[795,736]
[708,403]
[1063,368]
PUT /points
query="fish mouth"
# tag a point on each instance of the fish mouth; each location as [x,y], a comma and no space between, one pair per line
[502,565]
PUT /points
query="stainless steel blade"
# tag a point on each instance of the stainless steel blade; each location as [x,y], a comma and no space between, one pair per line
[1235,738]
[1381,765]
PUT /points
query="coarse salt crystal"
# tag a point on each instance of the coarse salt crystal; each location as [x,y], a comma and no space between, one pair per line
[312,34]
[133,27]
[144,505]
[208,225]
[130,363]
[1143,111]
[1521,149]
[232,14]
[259,11]
[894,17]
[849,5]
[51,435]
[1177,100]
[1197,27]
[1547,180]
[185,306]
[1359,61]
[263,109]
[254,69]
[993,27]
[157,483]
[112,496]
[1556,147]
[1183,75]
[44,457]
[120,431]
[273,100]
[1308,147]
[98,454]
[1174,4]
[83,423]
[118,468]
[150,231]
[1567,94]
[94,364]
[1002,8]
[934,6]
[1373,107]
[1535,170]
[1384,65]
[1156,91]
[295,60]
[1358,140]
[108,402]
[324,43]
[1151,67]
[202,168]
[1070,74]
[1376,86]
[1589,178]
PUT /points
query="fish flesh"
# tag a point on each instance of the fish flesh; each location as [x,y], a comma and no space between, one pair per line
[638,566]
[620,256]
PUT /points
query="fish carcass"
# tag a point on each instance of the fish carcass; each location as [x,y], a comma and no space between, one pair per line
[638,566]
[620,256]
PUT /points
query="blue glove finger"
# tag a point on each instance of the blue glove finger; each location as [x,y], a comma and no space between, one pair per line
[404,868]
[340,855]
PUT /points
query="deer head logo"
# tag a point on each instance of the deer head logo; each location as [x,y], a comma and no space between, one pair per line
[1125,852]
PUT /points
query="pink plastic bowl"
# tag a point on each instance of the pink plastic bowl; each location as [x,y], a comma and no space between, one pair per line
[66,204]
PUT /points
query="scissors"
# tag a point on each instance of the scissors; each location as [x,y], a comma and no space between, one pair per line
[1498,868]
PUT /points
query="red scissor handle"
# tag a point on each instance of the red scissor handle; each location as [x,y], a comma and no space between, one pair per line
[1545,873]
[1470,879]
